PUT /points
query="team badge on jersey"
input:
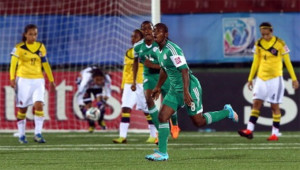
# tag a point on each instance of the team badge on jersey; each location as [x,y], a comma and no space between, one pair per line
[286,49]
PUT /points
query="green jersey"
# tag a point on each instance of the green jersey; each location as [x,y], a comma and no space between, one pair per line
[172,60]
[144,51]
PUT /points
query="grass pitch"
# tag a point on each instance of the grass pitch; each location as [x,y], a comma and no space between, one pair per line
[192,150]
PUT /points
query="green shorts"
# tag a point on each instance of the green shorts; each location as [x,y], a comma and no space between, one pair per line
[151,80]
[175,100]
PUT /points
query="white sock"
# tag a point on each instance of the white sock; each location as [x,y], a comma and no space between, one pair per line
[153,130]
[21,127]
[39,122]
[124,129]
[250,126]
[275,131]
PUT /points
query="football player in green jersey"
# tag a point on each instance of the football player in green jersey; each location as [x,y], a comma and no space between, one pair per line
[185,91]
[144,51]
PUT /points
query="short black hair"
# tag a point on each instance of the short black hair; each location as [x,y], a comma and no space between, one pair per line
[97,72]
[266,25]
[162,26]
[146,22]
[139,32]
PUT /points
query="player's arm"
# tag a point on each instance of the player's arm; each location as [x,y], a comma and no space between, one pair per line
[162,78]
[135,67]
[47,67]
[149,64]
[13,66]
[12,70]
[107,87]
[186,82]
[289,66]
[254,67]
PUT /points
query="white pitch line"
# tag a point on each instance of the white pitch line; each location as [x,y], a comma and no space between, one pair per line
[134,148]
[138,145]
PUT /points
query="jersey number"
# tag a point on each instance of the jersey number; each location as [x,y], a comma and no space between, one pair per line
[33,61]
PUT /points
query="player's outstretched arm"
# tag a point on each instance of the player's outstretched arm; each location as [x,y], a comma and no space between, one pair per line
[149,64]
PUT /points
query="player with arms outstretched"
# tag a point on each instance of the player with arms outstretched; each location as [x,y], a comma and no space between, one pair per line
[269,51]
[26,77]
[129,97]
[144,51]
[185,91]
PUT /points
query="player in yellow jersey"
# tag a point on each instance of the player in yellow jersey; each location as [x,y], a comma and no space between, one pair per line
[269,51]
[26,77]
[129,97]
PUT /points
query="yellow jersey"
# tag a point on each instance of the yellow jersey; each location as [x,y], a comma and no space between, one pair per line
[268,56]
[30,58]
[128,69]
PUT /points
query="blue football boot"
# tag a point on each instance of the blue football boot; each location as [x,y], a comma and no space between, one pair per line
[39,138]
[23,139]
[232,114]
[157,156]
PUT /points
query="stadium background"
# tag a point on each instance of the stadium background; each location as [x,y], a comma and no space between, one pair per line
[216,37]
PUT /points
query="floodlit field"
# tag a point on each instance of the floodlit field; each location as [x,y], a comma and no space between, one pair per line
[191,150]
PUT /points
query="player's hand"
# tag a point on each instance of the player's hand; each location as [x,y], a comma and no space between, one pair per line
[13,83]
[187,98]
[147,63]
[250,85]
[155,93]
[295,84]
[52,87]
[133,87]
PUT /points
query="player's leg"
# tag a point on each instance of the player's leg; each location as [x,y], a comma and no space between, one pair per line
[260,91]
[124,125]
[276,122]
[196,108]
[87,99]
[276,90]
[171,102]
[38,100]
[141,104]
[101,106]
[149,85]
[21,123]
[24,93]
[174,119]
[163,133]
[127,106]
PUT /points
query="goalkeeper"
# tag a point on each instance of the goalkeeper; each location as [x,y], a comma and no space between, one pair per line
[92,81]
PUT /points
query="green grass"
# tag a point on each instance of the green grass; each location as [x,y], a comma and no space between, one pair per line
[192,150]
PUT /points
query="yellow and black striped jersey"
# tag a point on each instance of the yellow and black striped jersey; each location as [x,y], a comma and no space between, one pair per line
[128,69]
[268,56]
[30,58]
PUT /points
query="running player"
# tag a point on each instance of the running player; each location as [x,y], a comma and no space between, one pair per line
[185,91]
[129,97]
[269,86]
[144,51]
[28,58]
[94,81]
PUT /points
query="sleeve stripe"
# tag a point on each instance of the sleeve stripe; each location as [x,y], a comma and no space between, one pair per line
[44,59]
[172,49]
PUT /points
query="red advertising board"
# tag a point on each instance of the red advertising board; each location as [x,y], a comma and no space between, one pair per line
[61,109]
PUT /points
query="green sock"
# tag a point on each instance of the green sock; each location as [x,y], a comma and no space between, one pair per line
[163,134]
[154,116]
[174,119]
[216,116]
